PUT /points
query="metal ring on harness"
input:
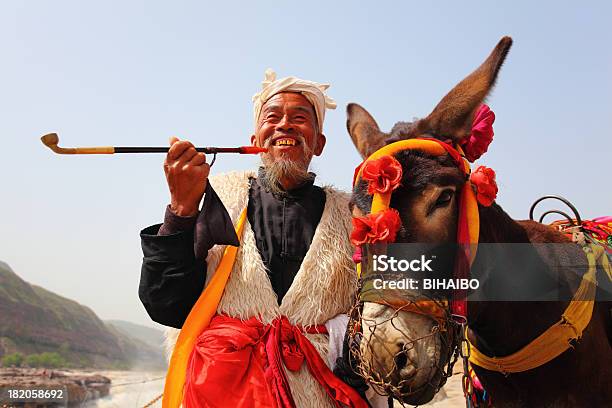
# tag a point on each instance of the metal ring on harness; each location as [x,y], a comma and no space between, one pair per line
[566,215]
[563,200]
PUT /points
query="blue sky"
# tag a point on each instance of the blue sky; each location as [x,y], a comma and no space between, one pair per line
[135,73]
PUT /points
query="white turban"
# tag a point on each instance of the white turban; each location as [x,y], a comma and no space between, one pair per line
[315,93]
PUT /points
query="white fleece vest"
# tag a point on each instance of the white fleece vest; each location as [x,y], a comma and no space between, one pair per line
[323,287]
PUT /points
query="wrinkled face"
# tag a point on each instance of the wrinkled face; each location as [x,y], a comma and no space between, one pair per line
[288,127]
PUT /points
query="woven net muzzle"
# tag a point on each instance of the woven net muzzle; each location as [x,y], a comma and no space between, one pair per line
[371,351]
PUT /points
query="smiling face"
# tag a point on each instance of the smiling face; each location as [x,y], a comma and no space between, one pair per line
[288,127]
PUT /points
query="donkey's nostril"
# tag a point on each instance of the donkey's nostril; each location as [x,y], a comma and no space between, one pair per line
[401,359]
[404,363]
[404,367]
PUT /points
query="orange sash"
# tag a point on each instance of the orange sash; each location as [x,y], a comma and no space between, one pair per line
[199,318]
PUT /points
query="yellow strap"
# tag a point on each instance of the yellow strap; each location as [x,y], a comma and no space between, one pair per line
[428,146]
[199,318]
[556,339]
[380,202]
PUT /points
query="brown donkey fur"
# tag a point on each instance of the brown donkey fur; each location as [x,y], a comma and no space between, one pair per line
[581,376]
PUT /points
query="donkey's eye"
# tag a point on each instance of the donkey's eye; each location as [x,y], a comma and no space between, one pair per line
[444,198]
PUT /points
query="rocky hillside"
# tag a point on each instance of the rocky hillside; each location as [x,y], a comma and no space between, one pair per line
[34,320]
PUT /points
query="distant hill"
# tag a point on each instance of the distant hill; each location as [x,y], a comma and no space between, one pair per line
[149,340]
[35,320]
[152,337]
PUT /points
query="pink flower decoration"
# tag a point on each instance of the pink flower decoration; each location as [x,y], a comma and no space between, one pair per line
[481,137]
[485,186]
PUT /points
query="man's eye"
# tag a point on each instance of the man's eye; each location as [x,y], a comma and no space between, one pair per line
[444,198]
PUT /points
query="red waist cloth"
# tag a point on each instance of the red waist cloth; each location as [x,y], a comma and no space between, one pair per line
[239,364]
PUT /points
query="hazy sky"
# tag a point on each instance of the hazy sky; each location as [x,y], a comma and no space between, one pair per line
[137,72]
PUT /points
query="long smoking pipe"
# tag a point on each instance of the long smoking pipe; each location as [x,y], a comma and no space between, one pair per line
[52,139]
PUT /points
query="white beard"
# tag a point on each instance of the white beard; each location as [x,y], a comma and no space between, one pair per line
[285,168]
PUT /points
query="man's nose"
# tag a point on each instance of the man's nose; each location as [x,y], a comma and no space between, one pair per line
[284,124]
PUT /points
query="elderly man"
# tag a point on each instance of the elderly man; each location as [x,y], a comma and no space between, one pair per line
[274,329]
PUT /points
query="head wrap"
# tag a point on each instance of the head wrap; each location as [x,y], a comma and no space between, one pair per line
[314,92]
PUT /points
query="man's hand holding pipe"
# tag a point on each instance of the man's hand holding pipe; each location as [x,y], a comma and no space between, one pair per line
[187,174]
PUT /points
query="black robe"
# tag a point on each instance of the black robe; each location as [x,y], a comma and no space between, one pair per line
[174,264]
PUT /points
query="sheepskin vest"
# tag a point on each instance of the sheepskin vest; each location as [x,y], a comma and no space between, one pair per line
[323,287]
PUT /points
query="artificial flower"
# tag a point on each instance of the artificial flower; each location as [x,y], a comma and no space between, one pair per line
[485,187]
[477,143]
[379,227]
[383,175]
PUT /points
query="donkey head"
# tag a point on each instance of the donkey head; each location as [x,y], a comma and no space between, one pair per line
[408,349]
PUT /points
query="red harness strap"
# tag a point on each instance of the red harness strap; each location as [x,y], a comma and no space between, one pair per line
[462,261]
[238,363]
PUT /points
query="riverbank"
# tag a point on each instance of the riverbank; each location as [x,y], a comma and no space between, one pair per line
[79,386]
[131,389]
[126,389]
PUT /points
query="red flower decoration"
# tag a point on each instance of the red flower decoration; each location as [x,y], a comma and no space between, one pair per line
[383,175]
[481,137]
[379,227]
[483,180]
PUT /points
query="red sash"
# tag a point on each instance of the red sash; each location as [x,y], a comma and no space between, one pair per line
[239,364]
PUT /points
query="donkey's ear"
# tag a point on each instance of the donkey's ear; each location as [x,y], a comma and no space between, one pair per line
[453,116]
[363,129]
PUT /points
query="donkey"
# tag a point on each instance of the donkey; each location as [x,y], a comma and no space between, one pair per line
[427,201]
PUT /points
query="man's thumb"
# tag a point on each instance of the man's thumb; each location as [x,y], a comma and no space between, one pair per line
[173,140]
